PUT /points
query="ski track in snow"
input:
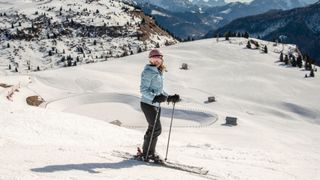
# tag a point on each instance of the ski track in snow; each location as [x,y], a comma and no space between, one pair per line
[202,118]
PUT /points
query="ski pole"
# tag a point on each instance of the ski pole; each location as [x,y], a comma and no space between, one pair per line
[170,131]
[154,125]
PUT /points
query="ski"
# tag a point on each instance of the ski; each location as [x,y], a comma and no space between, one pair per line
[166,164]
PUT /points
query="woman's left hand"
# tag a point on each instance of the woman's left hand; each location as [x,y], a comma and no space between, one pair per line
[174,98]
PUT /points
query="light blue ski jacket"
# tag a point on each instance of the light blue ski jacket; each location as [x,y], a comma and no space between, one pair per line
[151,84]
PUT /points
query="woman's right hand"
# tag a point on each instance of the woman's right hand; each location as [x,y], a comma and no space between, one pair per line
[159,98]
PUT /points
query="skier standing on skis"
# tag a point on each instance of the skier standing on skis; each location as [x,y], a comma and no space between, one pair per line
[151,89]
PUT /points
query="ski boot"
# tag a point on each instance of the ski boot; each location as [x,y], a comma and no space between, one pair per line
[155,158]
[140,156]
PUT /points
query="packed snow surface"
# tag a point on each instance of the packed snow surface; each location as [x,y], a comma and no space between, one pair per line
[70,136]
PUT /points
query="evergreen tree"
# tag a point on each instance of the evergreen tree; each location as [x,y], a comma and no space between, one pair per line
[265,49]
[32,26]
[286,60]
[293,61]
[311,73]
[69,57]
[307,64]
[139,49]
[246,35]
[299,61]
[227,35]
[281,57]
[69,63]
[249,45]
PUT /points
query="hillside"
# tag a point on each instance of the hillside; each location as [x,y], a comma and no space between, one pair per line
[40,35]
[299,26]
[69,136]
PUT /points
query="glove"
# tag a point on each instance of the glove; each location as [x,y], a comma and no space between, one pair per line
[159,98]
[174,98]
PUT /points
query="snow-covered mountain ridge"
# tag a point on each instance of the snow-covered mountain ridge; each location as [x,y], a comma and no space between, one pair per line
[38,35]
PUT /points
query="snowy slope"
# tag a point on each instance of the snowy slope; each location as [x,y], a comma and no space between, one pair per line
[46,34]
[277,109]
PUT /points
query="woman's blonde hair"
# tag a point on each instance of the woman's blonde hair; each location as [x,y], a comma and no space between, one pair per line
[162,67]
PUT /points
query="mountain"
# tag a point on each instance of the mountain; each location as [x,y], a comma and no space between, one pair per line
[208,3]
[187,19]
[301,26]
[277,4]
[181,5]
[236,10]
[70,137]
[73,32]
[170,5]
[181,24]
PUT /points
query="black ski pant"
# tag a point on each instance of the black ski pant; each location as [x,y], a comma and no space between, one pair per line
[151,112]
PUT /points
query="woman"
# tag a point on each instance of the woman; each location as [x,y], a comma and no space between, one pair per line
[152,92]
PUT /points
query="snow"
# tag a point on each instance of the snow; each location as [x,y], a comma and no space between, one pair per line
[155,12]
[70,136]
[117,37]
[227,11]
